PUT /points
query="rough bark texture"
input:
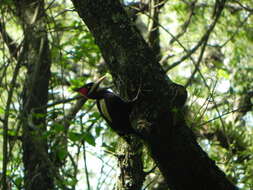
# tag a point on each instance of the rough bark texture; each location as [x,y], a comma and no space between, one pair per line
[35,95]
[130,163]
[157,113]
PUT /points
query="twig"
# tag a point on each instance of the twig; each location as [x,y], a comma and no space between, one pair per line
[244,7]
[206,36]
[197,64]
[221,115]
[6,121]
[150,171]
[201,41]
[218,13]
[72,113]
[152,181]
[85,165]
[59,102]
[74,164]
[186,23]
[11,44]
[237,30]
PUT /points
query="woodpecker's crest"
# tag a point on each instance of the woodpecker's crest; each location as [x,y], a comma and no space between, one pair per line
[89,89]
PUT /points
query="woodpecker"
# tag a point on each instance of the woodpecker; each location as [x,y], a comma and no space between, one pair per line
[112,108]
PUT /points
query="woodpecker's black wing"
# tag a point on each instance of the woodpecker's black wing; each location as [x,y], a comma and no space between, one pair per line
[116,112]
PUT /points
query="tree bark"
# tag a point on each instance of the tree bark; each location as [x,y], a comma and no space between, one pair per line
[130,163]
[37,168]
[157,114]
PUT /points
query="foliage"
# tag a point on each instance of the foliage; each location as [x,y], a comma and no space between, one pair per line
[219,106]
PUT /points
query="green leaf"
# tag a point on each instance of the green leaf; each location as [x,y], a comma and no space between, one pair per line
[109,147]
[73,136]
[11,132]
[98,130]
[1,111]
[223,73]
[58,127]
[62,153]
[71,182]
[89,138]
[18,181]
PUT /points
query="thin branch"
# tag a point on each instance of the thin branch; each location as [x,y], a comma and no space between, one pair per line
[73,164]
[11,44]
[221,115]
[151,182]
[85,165]
[206,107]
[151,170]
[72,113]
[197,64]
[50,5]
[107,175]
[6,121]
[237,30]
[220,7]
[201,41]
[186,23]
[244,7]
[85,157]
[61,102]
[218,13]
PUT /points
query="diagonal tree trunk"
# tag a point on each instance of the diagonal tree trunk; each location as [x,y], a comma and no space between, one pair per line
[158,112]
[38,171]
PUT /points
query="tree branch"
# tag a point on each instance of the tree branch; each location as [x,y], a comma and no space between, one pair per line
[11,44]
[201,41]
[186,23]
[6,122]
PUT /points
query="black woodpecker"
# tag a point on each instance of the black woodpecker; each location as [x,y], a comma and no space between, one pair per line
[112,108]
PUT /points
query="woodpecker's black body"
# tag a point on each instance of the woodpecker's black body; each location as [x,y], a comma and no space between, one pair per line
[112,108]
[115,111]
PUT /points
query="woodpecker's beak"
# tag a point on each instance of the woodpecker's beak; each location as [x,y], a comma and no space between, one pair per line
[96,84]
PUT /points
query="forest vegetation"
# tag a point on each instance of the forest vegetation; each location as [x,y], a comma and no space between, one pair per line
[187,67]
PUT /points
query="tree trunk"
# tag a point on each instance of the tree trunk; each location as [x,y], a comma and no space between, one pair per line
[158,111]
[38,171]
[130,163]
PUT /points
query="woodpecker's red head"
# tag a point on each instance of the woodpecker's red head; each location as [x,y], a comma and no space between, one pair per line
[90,90]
